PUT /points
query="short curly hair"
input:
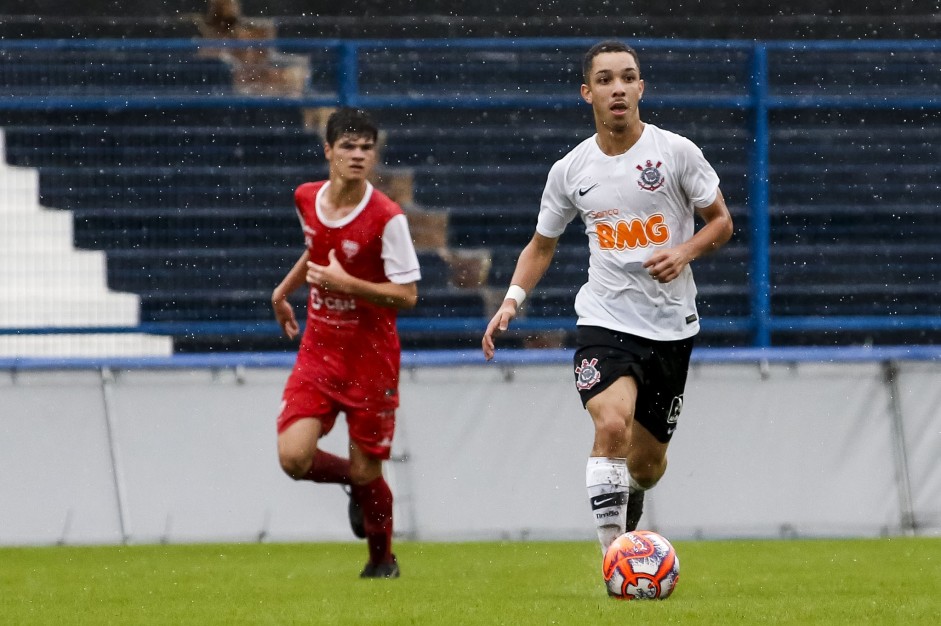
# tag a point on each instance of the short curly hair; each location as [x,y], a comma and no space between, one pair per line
[609,45]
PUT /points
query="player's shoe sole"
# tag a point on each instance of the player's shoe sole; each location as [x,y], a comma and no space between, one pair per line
[382,570]
[635,508]
[355,512]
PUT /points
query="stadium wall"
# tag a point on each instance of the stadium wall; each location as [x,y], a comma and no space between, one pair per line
[765,448]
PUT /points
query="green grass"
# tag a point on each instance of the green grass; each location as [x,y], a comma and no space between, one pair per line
[873,581]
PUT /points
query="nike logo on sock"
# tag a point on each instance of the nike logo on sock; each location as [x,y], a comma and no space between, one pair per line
[605,500]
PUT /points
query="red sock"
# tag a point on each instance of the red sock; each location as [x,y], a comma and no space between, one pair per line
[328,468]
[376,500]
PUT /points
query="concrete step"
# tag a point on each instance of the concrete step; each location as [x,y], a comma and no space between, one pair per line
[85,345]
[49,308]
[37,230]
[18,186]
[28,270]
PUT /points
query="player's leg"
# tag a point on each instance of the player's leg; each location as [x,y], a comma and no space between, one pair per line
[646,456]
[656,411]
[301,459]
[646,463]
[372,493]
[370,444]
[606,476]
[297,446]
[626,460]
[306,416]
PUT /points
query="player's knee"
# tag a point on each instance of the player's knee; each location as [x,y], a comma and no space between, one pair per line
[646,478]
[294,465]
[364,474]
[611,429]
[647,473]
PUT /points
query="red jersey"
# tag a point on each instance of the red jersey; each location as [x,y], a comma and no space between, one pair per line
[350,349]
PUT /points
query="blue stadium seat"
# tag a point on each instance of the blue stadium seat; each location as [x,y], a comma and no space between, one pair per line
[100,73]
[195,206]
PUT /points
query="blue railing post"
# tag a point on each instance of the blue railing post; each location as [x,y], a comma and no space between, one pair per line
[348,74]
[759,193]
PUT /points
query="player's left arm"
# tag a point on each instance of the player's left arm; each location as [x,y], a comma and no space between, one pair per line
[665,265]
[334,277]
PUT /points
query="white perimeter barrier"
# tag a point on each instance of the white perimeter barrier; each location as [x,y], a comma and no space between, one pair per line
[765,448]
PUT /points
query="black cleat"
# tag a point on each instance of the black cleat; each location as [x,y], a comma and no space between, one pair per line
[355,512]
[635,507]
[382,570]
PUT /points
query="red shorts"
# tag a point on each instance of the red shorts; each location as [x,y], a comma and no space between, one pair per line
[371,428]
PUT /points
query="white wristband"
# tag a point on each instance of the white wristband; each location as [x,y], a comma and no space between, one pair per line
[515,292]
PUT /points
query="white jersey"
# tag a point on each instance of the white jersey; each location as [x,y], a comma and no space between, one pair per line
[632,204]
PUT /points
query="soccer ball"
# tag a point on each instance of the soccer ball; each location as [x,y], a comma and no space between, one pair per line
[641,565]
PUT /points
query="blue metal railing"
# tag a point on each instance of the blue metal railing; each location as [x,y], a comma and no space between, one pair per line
[503,358]
[759,98]
[759,209]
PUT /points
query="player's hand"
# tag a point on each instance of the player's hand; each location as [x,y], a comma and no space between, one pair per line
[497,325]
[331,276]
[284,314]
[665,265]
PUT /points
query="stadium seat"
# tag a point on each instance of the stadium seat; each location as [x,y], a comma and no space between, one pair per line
[193,207]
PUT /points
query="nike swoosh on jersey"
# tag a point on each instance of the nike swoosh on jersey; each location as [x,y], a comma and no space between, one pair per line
[582,192]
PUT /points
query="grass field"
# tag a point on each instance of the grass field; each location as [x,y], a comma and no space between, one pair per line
[873,581]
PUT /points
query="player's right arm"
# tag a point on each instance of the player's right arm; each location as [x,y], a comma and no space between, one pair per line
[533,262]
[283,311]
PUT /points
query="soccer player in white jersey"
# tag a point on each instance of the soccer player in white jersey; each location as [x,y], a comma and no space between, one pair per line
[636,187]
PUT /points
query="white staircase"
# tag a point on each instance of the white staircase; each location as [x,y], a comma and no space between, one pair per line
[46,282]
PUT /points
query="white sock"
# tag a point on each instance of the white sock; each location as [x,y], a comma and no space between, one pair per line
[608,483]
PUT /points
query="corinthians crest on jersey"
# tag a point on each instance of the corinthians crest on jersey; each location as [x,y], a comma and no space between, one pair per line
[651,178]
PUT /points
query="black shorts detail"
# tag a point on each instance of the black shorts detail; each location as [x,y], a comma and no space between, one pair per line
[658,367]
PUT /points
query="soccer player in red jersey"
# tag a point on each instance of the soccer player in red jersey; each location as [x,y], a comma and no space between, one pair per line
[360,267]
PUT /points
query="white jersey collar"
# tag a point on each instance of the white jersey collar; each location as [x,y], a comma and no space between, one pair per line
[349,217]
[643,134]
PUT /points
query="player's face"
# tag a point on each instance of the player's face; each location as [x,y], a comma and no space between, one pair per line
[614,89]
[351,157]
